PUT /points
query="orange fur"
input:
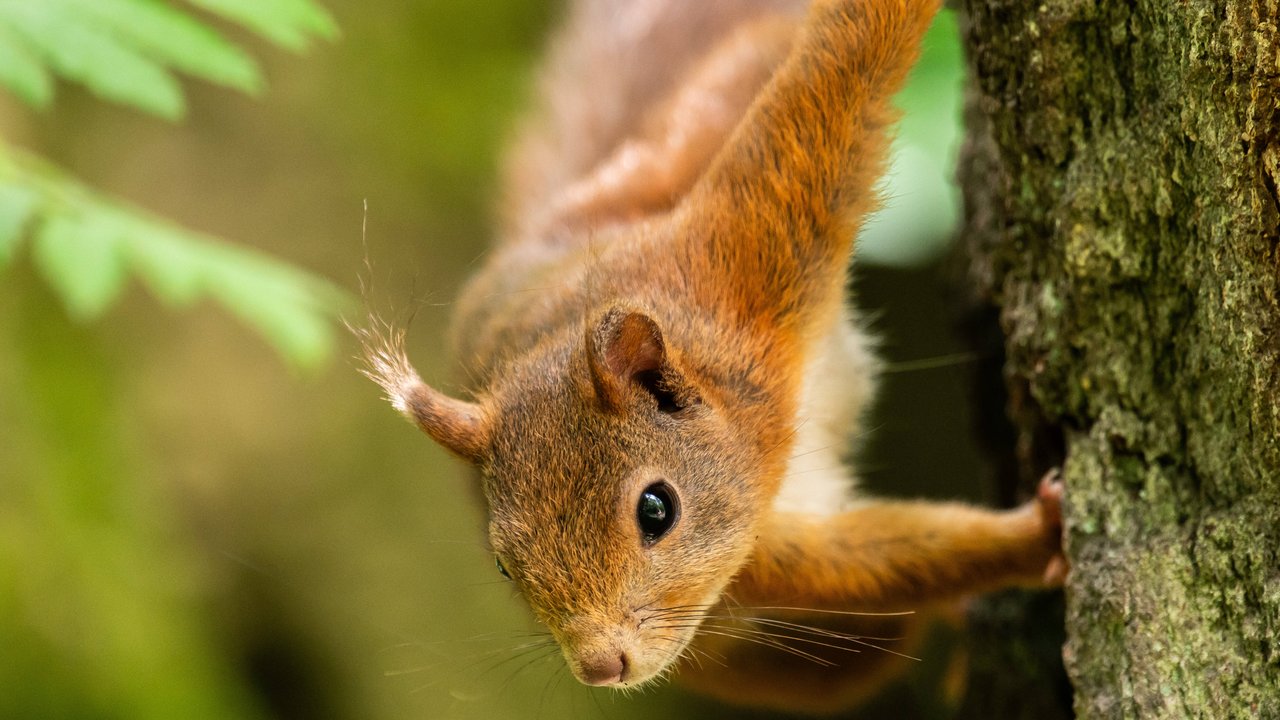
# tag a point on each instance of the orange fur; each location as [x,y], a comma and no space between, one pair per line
[674,260]
[890,555]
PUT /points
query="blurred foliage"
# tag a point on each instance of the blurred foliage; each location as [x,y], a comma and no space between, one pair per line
[98,614]
[86,245]
[186,529]
[126,50]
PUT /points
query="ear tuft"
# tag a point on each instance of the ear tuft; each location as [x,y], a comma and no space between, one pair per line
[384,361]
[463,428]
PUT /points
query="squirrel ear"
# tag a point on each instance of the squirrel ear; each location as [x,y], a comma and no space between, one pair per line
[461,427]
[625,352]
[627,343]
[464,428]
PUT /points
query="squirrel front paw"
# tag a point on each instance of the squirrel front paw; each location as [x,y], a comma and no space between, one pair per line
[1048,508]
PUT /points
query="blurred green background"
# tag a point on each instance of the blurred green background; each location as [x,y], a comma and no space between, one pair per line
[192,525]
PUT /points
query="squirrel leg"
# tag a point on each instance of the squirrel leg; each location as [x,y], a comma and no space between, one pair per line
[904,555]
[761,648]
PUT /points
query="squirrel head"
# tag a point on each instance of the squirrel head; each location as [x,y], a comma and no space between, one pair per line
[622,499]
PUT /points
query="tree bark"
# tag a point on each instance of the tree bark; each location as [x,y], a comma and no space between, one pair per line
[1121,209]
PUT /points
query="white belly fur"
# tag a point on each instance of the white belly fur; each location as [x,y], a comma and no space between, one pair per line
[839,383]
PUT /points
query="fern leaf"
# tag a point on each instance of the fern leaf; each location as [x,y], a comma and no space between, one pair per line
[288,23]
[88,246]
[291,309]
[163,260]
[171,38]
[22,72]
[72,47]
[17,206]
[81,259]
[126,51]
[269,299]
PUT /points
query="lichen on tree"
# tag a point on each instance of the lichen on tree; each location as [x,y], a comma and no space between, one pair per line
[1121,210]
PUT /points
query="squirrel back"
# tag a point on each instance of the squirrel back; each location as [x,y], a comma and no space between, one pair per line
[611,70]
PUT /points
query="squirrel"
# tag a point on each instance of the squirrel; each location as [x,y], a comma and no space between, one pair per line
[661,340]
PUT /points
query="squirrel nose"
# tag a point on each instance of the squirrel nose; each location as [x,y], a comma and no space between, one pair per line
[603,669]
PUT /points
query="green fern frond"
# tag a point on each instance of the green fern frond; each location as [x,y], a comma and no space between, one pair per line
[22,71]
[17,205]
[88,247]
[288,23]
[127,51]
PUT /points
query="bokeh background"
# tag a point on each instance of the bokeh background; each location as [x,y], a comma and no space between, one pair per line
[190,527]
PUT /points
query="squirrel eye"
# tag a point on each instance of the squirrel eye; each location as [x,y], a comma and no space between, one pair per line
[656,512]
[498,561]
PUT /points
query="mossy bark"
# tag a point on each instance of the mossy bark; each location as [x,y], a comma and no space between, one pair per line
[1121,210]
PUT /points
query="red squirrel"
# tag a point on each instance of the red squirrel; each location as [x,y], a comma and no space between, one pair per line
[664,368]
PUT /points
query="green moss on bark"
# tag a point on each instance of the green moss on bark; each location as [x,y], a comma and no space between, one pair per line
[1121,201]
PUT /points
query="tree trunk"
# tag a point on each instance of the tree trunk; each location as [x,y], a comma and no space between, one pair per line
[1120,182]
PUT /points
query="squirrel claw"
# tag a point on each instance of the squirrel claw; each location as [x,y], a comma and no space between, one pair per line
[1055,573]
[1049,498]
[1049,504]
